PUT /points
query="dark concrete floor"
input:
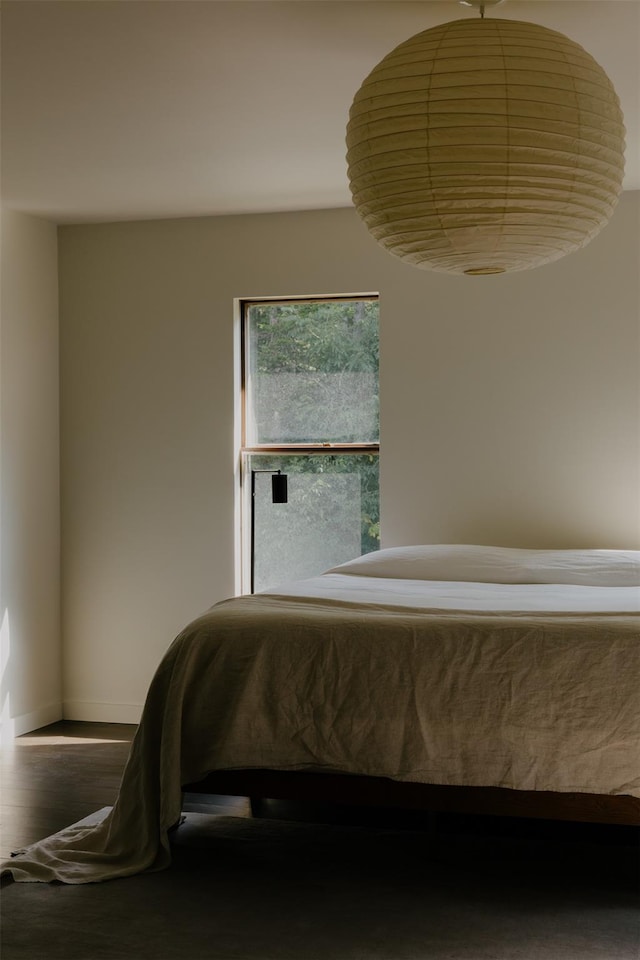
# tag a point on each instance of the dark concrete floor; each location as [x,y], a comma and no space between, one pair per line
[302,884]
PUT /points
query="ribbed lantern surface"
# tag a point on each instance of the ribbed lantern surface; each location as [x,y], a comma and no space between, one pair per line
[485,146]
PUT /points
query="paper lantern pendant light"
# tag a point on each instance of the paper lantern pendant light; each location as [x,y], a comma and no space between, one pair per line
[485,146]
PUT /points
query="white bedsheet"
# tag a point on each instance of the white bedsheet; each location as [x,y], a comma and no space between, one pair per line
[465,595]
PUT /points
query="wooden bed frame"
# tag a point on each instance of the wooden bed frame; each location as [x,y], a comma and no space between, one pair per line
[382,792]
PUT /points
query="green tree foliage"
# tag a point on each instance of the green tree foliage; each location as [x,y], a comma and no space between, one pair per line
[327,336]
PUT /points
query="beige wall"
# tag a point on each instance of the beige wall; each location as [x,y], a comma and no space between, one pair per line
[509,412]
[511,409]
[30,502]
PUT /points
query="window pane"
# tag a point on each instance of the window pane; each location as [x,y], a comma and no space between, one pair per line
[332,515]
[312,372]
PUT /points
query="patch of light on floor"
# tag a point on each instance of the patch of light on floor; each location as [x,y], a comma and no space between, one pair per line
[28,741]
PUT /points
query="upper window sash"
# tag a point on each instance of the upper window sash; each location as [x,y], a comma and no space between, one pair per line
[310,373]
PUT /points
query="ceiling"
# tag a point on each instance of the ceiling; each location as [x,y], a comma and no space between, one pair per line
[137,109]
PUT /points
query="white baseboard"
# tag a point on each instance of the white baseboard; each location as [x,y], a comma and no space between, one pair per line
[17,726]
[101,711]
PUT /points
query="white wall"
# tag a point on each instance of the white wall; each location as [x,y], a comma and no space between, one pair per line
[510,412]
[511,409]
[30,489]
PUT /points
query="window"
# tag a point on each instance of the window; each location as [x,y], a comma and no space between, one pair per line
[310,411]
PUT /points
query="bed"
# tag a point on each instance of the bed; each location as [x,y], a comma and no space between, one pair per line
[453,677]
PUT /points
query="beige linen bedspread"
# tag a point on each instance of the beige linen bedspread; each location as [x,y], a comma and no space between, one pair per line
[543,702]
